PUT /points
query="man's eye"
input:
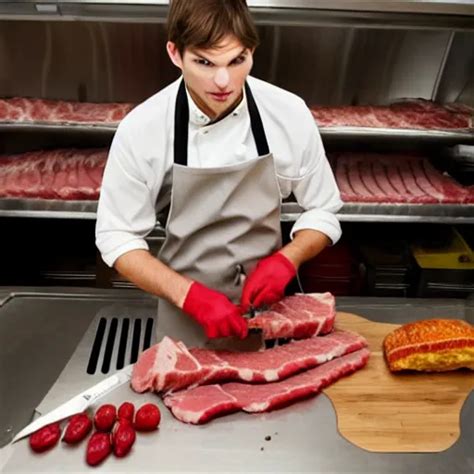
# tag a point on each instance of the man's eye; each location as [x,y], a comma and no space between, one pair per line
[203,62]
[239,60]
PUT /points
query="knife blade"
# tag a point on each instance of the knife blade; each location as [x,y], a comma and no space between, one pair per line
[79,403]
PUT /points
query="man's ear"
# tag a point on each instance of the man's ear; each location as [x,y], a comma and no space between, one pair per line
[174,54]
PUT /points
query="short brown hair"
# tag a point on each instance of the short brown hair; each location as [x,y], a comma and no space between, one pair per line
[204,23]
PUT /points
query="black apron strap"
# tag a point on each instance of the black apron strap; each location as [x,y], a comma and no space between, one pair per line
[181,125]
[256,124]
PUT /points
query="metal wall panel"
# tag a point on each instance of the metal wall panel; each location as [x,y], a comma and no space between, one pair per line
[103,61]
[457,83]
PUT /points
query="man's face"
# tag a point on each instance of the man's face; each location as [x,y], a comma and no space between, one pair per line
[215,77]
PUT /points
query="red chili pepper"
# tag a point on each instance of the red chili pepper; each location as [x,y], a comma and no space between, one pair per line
[98,448]
[105,417]
[78,428]
[126,410]
[147,417]
[123,437]
[45,438]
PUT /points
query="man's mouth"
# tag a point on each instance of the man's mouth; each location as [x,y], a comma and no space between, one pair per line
[220,96]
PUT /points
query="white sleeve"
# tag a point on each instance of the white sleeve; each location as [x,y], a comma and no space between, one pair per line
[316,190]
[126,211]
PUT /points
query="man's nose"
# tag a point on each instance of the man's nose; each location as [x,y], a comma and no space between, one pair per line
[222,78]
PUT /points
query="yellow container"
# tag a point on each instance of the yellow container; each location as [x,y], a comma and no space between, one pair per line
[456,255]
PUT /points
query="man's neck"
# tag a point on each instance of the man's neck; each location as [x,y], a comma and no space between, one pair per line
[209,112]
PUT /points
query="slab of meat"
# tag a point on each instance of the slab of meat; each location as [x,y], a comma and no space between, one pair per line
[156,370]
[389,192]
[390,178]
[58,111]
[277,363]
[368,178]
[201,404]
[422,181]
[415,193]
[67,174]
[450,189]
[411,114]
[348,193]
[356,182]
[298,317]
[166,366]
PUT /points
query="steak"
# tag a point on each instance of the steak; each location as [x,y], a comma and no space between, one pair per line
[165,366]
[201,404]
[390,178]
[348,194]
[356,182]
[389,191]
[59,111]
[169,366]
[277,363]
[411,114]
[298,317]
[66,174]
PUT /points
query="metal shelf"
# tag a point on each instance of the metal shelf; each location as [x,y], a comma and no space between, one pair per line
[56,127]
[354,134]
[388,135]
[428,14]
[423,213]
[351,212]
[379,212]
[48,208]
[73,131]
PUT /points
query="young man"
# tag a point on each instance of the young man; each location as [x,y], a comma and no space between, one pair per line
[223,149]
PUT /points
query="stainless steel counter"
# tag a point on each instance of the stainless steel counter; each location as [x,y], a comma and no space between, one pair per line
[40,330]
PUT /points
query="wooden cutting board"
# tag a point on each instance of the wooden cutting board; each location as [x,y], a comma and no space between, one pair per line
[404,412]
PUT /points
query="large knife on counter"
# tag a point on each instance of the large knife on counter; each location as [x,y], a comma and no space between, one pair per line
[79,403]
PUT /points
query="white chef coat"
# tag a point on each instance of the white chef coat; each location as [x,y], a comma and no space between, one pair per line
[137,177]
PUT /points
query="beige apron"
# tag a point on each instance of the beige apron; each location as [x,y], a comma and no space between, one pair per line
[221,222]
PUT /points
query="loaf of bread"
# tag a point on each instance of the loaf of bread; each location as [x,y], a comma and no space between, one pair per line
[432,345]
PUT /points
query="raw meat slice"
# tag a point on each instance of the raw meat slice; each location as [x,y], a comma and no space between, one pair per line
[321,306]
[380,175]
[169,366]
[347,192]
[309,316]
[201,404]
[165,366]
[65,174]
[394,178]
[409,114]
[58,111]
[304,323]
[273,325]
[397,182]
[423,182]
[363,194]
[452,191]
[416,194]
[277,363]
[367,177]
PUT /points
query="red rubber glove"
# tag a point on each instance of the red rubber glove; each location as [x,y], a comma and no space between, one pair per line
[214,312]
[267,283]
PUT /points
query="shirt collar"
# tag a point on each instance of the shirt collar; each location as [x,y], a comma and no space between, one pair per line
[199,118]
